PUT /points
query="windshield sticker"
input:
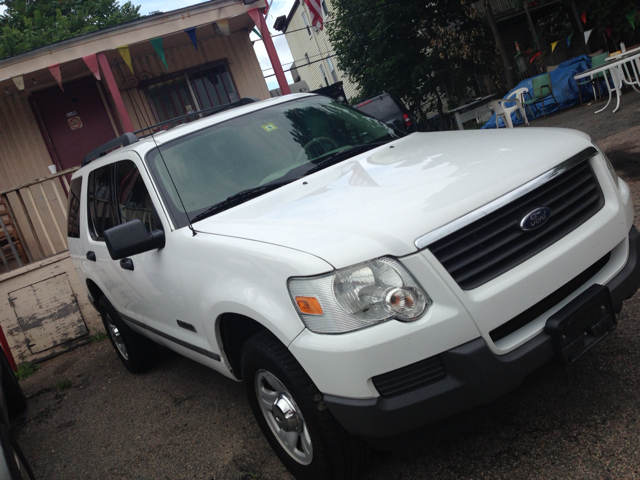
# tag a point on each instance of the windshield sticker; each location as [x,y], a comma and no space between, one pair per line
[269,127]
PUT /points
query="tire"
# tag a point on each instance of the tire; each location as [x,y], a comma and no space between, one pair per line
[138,353]
[310,442]
[15,397]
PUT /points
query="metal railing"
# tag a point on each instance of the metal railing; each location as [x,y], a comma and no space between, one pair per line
[30,227]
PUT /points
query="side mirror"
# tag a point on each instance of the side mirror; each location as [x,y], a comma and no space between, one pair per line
[131,238]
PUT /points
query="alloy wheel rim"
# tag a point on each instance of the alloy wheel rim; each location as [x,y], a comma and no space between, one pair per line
[283,417]
[117,338]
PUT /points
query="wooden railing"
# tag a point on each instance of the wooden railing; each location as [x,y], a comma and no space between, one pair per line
[33,220]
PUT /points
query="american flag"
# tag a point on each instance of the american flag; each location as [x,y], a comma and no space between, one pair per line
[316,12]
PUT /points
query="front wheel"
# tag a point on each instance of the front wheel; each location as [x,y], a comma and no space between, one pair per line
[138,353]
[293,417]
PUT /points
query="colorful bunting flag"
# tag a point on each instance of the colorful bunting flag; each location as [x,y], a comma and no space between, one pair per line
[192,35]
[608,30]
[587,34]
[19,81]
[92,63]
[583,17]
[553,45]
[157,46]
[126,56]
[223,25]
[569,39]
[632,18]
[255,30]
[57,74]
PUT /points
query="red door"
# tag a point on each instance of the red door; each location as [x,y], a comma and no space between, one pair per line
[76,120]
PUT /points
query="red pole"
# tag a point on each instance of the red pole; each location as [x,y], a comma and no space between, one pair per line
[7,351]
[258,19]
[115,93]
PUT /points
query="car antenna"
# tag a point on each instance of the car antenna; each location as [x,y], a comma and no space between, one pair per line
[174,186]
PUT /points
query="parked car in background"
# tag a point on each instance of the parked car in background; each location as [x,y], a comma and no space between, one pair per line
[389,110]
[13,464]
[360,281]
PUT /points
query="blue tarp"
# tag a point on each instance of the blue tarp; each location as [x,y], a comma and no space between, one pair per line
[564,89]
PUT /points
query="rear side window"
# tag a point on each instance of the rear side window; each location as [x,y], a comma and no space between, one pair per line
[73,226]
[99,195]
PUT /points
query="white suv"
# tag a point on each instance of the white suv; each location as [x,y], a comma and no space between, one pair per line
[360,282]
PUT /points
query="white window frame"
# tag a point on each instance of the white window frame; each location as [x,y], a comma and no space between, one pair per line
[306,24]
[332,70]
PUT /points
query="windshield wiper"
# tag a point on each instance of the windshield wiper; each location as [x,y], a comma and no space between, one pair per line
[240,197]
[337,157]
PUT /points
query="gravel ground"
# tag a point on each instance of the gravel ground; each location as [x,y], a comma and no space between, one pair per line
[88,418]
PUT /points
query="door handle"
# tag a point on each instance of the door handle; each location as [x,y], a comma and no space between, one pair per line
[127,264]
[91,256]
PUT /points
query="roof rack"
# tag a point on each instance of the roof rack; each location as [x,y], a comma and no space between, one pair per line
[122,141]
[199,114]
[131,138]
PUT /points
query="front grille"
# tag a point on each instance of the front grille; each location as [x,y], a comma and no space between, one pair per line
[494,244]
[411,377]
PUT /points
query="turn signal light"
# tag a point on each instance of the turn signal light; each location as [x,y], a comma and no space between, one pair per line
[309,305]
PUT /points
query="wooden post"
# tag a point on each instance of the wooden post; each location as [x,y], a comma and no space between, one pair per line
[115,93]
[258,19]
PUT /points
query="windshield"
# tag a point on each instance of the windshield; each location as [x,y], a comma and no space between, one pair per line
[267,147]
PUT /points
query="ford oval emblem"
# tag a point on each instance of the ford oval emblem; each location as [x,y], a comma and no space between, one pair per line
[535,218]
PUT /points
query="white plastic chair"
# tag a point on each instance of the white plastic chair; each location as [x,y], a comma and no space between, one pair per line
[501,111]
[498,109]
[519,94]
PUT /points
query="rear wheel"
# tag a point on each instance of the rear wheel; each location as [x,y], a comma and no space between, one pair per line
[138,353]
[293,417]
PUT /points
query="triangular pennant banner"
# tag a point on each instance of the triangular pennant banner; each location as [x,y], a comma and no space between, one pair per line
[126,56]
[632,18]
[55,71]
[587,34]
[553,45]
[157,46]
[19,81]
[569,39]
[608,30]
[583,17]
[223,25]
[92,63]
[255,30]
[192,35]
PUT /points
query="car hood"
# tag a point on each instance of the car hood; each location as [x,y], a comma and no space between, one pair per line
[378,203]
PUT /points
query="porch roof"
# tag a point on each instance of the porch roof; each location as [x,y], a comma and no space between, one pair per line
[130,33]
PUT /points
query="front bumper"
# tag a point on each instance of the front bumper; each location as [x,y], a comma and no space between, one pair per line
[474,374]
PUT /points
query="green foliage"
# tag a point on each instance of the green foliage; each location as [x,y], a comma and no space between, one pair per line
[64,384]
[26,369]
[29,24]
[98,337]
[603,14]
[410,48]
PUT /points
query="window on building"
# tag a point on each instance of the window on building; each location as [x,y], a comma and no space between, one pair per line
[332,70]
[190,91]
[324,75]
[324,7]
[306,23]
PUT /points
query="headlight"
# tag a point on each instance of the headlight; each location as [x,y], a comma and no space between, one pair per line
[358,297]
[612,171]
